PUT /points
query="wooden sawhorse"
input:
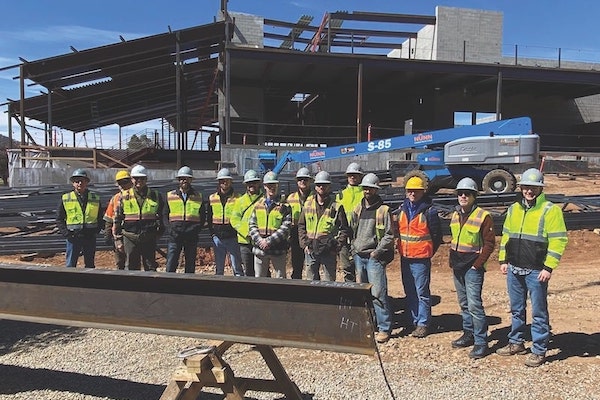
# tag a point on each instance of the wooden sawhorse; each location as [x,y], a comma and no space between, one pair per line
[209,369]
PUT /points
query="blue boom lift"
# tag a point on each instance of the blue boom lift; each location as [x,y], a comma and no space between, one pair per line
[477,151]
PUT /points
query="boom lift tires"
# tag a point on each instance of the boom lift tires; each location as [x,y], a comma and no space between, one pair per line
[499,181]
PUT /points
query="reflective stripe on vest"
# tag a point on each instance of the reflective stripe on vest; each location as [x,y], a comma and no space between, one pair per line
[415,239]
[131,208]
[317,227]
[379,219]
[467,239]
[221,215]
[76,218]
[296,204]
[267,222]
[184,211]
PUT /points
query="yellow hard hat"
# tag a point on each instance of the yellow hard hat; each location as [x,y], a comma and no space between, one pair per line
[415,182]
[122,175]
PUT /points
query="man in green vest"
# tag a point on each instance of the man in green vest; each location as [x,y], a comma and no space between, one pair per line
[473,242]
[77,219]
[296,201]
[185,214]
[350,197]
[373,248]
[534,238]
[224,236]
[240,215]
[322,230]
[138,222]
[270,224]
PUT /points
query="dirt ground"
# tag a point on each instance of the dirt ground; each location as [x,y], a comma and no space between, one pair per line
[574,292]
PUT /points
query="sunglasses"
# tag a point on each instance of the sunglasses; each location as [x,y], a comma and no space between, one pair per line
[139,178]
[79,180]
[303,179]
[464,193]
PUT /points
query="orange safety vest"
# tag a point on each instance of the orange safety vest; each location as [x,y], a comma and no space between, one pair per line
[415,239]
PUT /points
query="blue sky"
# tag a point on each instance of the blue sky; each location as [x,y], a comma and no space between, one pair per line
[34,29]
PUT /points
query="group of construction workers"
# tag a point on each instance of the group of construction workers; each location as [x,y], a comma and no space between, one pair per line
[353,229]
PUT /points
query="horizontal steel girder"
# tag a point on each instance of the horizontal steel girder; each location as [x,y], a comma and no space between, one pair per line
[334,316]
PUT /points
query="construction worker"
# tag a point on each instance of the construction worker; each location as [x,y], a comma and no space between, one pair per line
[138,222]
[322,230]
[350,197]
[373,249]
[123,180]
[534,238]
[240,215]
[219,224]
[270,224]
[185,214]
[296,201]
[77,219]
[420,236]
[473,241]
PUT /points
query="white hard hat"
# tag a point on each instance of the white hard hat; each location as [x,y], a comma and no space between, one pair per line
[138,171]
[224,174]
[467,184]
[532,177]
[370,180]
[185,172]
[303,173]
[251,176]
[322,177]
[270,177]
[354,168]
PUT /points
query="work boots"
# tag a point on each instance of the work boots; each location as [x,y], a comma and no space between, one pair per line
[479,351]
[465,340]
[511,349]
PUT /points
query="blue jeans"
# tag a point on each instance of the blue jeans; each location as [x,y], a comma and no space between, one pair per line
[221,248]
[189,245]
[313,265]
[416,276]
[370,270]
[75,246]
[518,287]
[468,284]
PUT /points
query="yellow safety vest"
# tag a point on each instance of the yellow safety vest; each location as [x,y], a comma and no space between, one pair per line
[221,214]
[318,227]
[296,204]
[242,209]
[468,239]
[184,211]
[350,197]
[379,219]
[132,211]
[76,218]
[268,221]
[540,230]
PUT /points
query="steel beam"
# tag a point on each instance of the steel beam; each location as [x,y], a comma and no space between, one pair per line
[334,316]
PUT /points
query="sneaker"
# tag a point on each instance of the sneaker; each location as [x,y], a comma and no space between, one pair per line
[479,351]
[535,360]
[511,349]
[465,340]
[382,337]
[420,332]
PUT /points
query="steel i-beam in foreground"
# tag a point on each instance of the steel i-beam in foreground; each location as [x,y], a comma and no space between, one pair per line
[321,315]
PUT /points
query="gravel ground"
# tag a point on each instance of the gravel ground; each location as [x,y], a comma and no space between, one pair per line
[52,362]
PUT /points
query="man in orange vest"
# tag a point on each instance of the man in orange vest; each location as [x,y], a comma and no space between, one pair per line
[138,222]
[185,214]
[420,236]
[124,183]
